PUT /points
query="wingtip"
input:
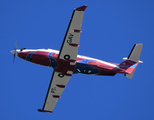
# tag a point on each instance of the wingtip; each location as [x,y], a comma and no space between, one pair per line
[40,110]
[82,8]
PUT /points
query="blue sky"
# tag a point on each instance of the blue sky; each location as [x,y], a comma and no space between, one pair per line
[109,31]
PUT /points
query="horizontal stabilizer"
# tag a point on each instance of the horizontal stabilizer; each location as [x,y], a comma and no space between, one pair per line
[130,75]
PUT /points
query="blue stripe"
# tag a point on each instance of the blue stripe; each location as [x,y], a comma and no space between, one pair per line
[84,61]
[53,62]
[29,56]
[133,66]
[84,68]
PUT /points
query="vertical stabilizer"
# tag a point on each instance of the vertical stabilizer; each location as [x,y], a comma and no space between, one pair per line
[131,62]
[134,56]
[135,53]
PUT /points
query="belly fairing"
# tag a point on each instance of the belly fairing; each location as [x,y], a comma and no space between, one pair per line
[91,67]
[83,68]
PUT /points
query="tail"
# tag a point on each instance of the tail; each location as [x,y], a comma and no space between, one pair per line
[131,62]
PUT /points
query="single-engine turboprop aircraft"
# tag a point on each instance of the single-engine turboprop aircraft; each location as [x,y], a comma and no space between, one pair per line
[66,61]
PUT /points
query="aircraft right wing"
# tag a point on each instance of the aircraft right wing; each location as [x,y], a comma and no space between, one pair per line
[69,48]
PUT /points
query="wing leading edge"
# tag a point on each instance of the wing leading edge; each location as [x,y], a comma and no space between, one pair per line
[68,52]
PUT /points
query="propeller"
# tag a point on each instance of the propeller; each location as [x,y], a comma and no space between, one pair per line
[14,52]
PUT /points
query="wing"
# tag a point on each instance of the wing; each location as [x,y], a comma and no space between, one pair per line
[57,84]
[68,52]
[69,48]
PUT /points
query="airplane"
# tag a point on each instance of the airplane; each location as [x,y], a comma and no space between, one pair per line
[66,62]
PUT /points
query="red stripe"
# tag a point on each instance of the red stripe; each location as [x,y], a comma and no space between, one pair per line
[82,8]
[56,96]
[75,45]
[79,31]
[61,86]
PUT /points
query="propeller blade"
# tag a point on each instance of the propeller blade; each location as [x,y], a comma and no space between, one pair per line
[14,57]
[15,48]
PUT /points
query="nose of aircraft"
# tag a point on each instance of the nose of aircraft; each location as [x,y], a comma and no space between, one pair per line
[13,51]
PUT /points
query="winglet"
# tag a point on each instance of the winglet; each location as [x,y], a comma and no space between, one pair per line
[82,8]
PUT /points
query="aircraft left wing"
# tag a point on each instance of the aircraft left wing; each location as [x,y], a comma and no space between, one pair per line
[55,89]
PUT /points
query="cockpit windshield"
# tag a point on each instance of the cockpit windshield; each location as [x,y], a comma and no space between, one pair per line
[22,49]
